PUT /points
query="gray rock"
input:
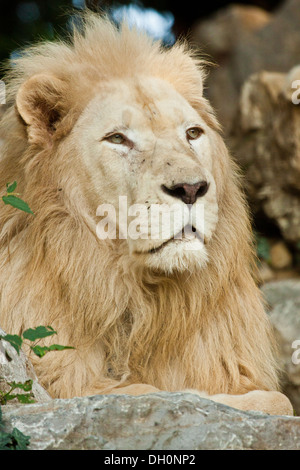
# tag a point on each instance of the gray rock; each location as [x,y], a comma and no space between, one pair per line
[244,40]
[16,367]
[163,421]
[266,143]
[283,298]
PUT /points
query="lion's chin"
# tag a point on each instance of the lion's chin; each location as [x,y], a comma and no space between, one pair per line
[177,255]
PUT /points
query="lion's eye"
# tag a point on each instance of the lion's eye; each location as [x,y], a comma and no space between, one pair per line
[194,133]
[116,138]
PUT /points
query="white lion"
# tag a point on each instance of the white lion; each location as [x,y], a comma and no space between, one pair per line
[114,114]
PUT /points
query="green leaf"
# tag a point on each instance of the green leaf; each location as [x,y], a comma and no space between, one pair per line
[5,440]
[59,347]
[15,340]
[32,334]
[25,398]
[15,440]
[10,187]
[26,386]
[20,441]
[8,397]
[17,203]
[40,351]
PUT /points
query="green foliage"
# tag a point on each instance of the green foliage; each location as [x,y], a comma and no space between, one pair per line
[13,200]
[16,202]
[42,350]
[15,340]
[11,187]
[34,335]
[14,440]
[21,397]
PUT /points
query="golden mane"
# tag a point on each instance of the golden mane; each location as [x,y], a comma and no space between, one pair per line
[55,271]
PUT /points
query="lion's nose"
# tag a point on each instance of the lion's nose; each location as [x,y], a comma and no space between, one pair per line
[188,193]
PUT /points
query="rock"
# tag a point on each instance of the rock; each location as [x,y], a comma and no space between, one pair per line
[283,298]
[219,33]
[265,141]
[162,421]
[217,38]
[243,40]
[17,368]
[280,255]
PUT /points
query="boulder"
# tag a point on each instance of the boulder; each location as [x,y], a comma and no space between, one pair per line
[243,40]
[283,299]
[163,421]
[265,140]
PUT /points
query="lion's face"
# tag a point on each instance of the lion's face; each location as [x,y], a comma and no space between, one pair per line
[148,155]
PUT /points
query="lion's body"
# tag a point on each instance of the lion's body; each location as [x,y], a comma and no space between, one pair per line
[202,328]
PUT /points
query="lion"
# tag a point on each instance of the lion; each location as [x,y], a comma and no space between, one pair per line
[107,113]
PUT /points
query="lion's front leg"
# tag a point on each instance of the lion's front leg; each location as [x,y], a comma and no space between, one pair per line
[106,388]
[273,403]
[135,389]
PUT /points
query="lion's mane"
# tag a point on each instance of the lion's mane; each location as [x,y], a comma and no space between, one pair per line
[205,330]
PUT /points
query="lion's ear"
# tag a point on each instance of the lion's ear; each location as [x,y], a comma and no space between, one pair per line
[39,102]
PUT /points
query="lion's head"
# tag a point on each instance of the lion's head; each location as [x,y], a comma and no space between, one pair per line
[145,138]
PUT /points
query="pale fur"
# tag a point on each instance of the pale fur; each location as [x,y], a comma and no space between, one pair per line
[202,329]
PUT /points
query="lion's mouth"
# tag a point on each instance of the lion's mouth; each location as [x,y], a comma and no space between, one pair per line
[185,235]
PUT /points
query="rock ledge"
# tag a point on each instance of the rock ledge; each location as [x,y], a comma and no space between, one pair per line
[162,421]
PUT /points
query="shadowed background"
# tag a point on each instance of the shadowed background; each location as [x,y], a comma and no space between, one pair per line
[25,21]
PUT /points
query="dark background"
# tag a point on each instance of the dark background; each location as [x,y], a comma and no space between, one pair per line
[22,22]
